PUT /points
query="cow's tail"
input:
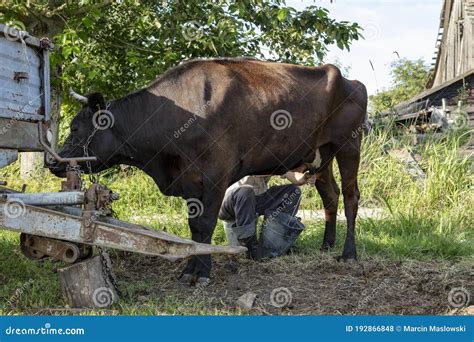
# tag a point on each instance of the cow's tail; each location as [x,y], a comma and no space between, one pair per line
[367,124]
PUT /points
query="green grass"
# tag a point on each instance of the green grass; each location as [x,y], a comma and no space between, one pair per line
[430,221]
[23,281]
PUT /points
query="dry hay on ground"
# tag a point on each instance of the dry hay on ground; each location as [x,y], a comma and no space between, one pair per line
[309,285]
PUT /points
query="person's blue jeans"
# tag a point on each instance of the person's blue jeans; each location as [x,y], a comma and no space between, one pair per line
[241,207]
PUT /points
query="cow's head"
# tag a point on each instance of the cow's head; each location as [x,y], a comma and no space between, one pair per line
[91,133]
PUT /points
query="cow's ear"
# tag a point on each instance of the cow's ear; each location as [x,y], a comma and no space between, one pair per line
[96,101]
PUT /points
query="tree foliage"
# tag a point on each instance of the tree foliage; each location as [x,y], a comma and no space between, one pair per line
[408,79]
[118,46]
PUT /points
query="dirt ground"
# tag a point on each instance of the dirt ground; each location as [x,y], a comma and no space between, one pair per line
[309,285]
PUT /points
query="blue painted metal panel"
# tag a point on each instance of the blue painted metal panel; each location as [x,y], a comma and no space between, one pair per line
[24,88]
[20,78]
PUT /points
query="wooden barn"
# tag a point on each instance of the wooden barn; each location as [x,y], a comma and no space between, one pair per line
[450,88]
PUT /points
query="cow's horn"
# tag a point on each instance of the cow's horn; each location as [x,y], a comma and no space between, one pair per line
[78,97]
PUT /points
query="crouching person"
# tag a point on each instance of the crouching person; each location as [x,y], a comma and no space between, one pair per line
[250,198]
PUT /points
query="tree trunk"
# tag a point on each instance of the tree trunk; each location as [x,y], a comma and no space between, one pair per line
[83,285]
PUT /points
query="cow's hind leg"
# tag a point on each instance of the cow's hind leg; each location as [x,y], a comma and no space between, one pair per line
[348,158]
[329,192]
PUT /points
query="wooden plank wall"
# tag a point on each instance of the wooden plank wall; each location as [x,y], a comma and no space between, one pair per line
[451,93]
[457,45]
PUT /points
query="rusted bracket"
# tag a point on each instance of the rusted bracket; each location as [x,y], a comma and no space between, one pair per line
[73,180]
[20,75]
[88,215]
[46,44]
[36,247]
[97,203]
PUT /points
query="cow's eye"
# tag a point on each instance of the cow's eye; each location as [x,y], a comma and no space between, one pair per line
[74,129]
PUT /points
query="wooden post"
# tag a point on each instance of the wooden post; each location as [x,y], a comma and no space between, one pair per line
[83,285]
[31,164]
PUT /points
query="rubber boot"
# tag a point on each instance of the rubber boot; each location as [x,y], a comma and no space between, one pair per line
[243,236]
[254,250]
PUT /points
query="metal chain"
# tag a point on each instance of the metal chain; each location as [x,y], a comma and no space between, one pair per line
[92,177]
[106,269]
[107,272]
[77,170]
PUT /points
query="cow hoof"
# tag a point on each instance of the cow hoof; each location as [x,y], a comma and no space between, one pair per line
[187,279]
[203,282]
[349,260]
[325,247]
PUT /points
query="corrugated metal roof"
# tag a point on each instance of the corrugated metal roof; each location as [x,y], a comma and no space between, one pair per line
[418,102]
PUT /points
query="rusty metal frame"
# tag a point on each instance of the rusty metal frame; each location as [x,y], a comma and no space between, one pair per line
[54,154]
[46,46]
[108,232]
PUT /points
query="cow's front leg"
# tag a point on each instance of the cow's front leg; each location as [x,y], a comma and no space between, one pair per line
[202,219]
[198,268]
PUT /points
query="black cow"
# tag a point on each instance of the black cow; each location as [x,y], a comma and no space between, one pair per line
[207,123]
